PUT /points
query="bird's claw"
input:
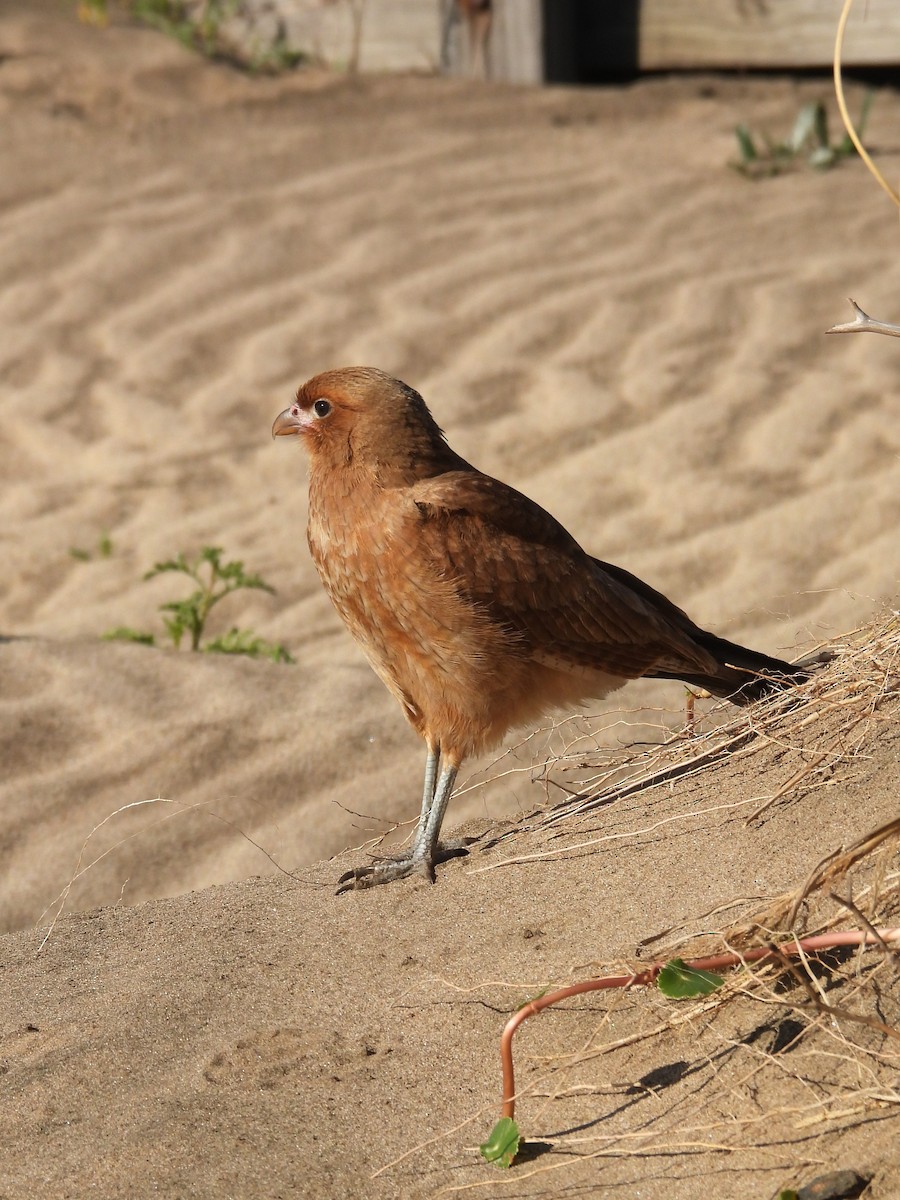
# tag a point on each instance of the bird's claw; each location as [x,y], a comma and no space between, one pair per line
[386,870]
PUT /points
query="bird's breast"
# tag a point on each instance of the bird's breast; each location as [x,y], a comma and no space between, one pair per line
[413,621]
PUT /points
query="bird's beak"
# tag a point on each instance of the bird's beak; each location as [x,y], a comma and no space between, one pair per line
[287,422]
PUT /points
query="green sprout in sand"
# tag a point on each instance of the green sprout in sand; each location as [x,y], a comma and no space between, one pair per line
[104,549]
[808,141]
[214,580]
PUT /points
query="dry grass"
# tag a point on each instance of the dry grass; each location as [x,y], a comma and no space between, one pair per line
[785,1052]
[813,728]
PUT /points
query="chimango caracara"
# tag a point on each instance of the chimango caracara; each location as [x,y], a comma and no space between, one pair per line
[478,611]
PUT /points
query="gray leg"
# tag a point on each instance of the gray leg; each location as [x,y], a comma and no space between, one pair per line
[426,843]
[432,762]
[425,852]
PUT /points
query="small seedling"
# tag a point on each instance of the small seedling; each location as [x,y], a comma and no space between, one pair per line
[808,140]
[502,1145]
[104,549]
[214,581]
[675,978]
[244,641]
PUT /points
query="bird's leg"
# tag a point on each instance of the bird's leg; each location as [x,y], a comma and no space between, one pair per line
[425,852]
[432,763]
[425,847]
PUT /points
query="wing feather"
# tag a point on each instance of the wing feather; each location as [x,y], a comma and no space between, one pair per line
[515,561]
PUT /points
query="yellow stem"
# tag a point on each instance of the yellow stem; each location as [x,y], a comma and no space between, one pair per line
[842,104]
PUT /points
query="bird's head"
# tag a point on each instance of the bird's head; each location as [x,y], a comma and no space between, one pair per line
[361,416]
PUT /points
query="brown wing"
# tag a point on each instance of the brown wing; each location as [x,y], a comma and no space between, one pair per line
[511,558]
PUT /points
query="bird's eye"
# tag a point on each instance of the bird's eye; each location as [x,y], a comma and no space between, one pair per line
[322,408]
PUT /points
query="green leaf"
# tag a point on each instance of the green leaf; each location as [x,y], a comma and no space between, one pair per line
[678,981]
[124,634]
[105,546]
[175,627]
[244,641]
[236,641]
[822,158]
[503,1144]
[809,138]
[806,126]
[281,654]
[185,616]
[81,555]
[179,563]
[234,573]
[746,144]
[254,581]
[184,607]
[788,1194]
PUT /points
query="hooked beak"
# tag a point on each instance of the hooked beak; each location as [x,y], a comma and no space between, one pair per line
[288,422]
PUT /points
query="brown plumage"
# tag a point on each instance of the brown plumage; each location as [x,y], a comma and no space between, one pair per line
[476,608]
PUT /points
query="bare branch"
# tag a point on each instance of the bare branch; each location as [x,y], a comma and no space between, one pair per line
[863,323]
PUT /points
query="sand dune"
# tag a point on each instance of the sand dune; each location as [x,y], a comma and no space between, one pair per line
[267,1038]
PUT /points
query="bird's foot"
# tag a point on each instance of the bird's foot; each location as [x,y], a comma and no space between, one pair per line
[386,870]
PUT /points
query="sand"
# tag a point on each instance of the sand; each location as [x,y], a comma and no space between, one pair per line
[599,312]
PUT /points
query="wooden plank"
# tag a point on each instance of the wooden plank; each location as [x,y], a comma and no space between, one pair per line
[515,46]
[394,35]
[763,33]
[514,50]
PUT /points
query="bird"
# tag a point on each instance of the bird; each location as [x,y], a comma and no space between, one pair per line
[477,609]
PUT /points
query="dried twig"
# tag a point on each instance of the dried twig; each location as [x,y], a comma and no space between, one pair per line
[863,323]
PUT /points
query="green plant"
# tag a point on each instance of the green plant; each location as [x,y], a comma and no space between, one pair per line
[170,17]
[279,57]
[676,979]
[124,633]
[214,580]
[199,27]
[243,641]
[502,1145]
[808,140]
[104,549]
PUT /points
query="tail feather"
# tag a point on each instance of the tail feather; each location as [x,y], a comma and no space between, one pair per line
[744,675]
